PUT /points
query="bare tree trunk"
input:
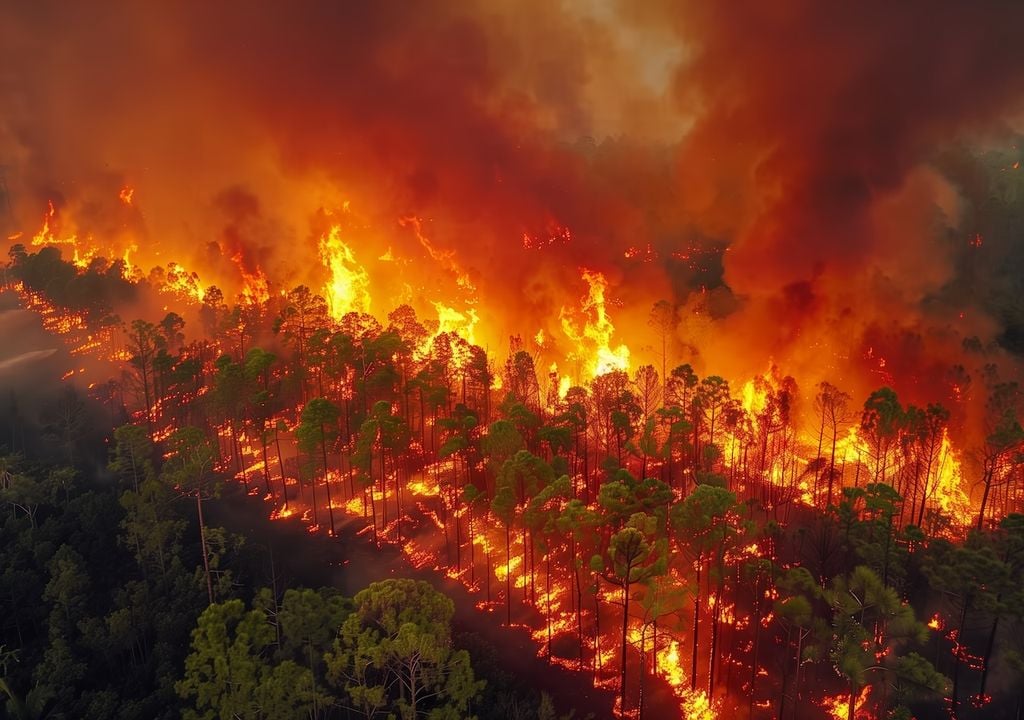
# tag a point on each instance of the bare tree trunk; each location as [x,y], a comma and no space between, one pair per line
[202,544]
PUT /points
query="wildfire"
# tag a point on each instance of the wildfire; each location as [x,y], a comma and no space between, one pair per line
[670,667]
[347,289]
[444,259]
[754,396]
[424,487]
[256,288]
[450,320]
[594,339]
[182,282]
[838,706]
[697,706]
[129,269]
[949,484]
[47,236]
[282,513]
[418,509]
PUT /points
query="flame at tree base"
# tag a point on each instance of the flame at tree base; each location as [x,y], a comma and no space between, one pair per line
[696,705]
[838,706]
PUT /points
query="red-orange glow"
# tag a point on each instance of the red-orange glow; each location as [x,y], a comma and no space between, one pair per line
[183,283]
[424,487]
[948,490]
[282,513]
[593,336]
[347,288]
[697,706]
[768,442]
[670,667]
[838,706]
[451,320]
[47,235]
[674,202]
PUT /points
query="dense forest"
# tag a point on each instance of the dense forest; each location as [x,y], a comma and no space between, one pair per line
[107,573]
[655,529]
[512,360]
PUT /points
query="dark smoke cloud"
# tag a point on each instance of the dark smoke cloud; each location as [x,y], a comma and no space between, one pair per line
[814,153]
[822,110]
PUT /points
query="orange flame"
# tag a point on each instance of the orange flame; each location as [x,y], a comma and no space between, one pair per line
[347,290]
[838,706]
[47,236]
[595,337]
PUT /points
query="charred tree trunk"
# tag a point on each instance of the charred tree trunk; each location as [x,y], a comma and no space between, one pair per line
[327,477]
[696,627]
[202,544]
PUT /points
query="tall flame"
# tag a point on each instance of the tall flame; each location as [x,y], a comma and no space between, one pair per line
[949,487]
[451,320]
[594,339]
[347,290]
[47,235]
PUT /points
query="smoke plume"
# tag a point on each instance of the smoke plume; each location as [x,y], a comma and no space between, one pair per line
[782,172]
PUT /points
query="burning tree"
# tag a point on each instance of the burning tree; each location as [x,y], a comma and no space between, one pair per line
[869,624]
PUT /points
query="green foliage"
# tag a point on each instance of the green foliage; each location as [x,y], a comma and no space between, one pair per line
[545,508]
[708,521]
[798,593]
[394,654]
[317,425]
[915,679]
[228,672]
[153,529]
[131,458]
[502,441]
[623,496]
[190,462]
[635,556]
[868,514]
[310,619]
[882,413]
[504,504]
[382,431]
[871,627]
[97,620]
[526,474]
